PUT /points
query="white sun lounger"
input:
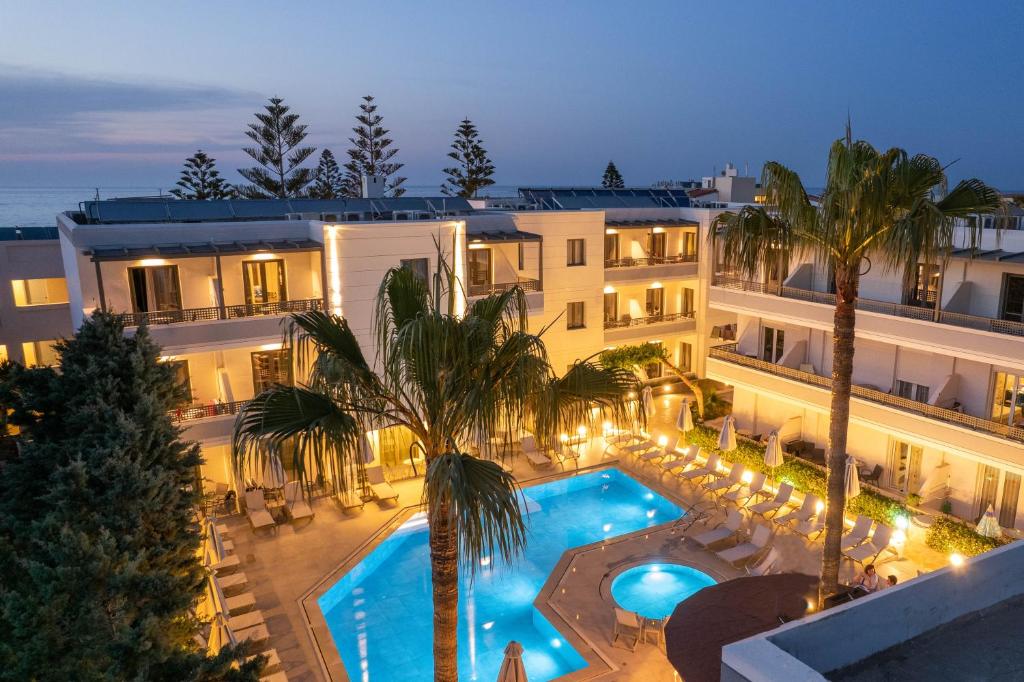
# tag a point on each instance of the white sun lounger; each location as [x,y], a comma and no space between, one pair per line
[766,565]
[233,582]
[724,531]
[681,462]
[748,492]
[294,503]
[240,603]
[856,535]
[379,486]
[646,445]
[565,454]
[709,466]
[868,552]
[812,528]
[246,620]
[256,510]
[806,511]
[535,457]
[780,500]
[748,550]
[657,456]
[725,483]
[627,624]
[349,501]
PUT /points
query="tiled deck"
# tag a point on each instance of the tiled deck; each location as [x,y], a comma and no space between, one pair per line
[284,566]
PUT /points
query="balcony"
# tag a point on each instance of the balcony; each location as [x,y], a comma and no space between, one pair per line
[231,312]
[193,412]
[652,260]
[627,321]
[727,353]
[527,284]
[623,270]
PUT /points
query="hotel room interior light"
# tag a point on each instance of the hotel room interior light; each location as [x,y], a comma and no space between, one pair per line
[264,256]
[152,262]
[609,289]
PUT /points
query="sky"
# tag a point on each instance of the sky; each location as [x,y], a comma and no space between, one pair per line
[107,93]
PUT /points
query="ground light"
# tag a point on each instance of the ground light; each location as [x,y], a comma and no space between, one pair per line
[956,560]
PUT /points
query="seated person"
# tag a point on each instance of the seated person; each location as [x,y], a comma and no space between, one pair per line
[868,581]
[890,581]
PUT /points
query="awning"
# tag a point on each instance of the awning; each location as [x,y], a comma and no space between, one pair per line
[994,255]
[668,222]
[201,250]
[484,237]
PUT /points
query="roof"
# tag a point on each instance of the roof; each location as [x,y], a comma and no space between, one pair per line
[168,210]
[562,198]
[702,192]
[11,234]
[667,222]
[199,249]
[503,236]
[995,255]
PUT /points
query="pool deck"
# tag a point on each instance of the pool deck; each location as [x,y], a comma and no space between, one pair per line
[289,568]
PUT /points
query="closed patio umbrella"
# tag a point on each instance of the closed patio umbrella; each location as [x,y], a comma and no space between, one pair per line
[851,479]
[273,473]
[220,635]
[648,398]
[684,422]
[989,524]
[365,449]
[773,452]
[727,438]
[512,669]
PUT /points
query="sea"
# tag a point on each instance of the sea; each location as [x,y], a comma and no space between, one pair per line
[38,206]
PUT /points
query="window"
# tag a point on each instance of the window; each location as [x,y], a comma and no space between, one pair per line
[685,356]
[154,288]
[655,302]
[182,376]
[1008,505]
[521,252]
[986,489]
[925,287]
[574,318]
[3,353]
[904,466]
[1008,398]
[264,281]
[479,270]
[689,243]
[656,245]
[687,301]
[611,247]
[418,266]
[773,341]
[1012,307]
[611,306]
[911,391]
[39,353]
[44,291]
[576,252]
[270,368]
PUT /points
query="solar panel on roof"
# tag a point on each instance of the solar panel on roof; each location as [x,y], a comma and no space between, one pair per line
[140,212]
[199,210]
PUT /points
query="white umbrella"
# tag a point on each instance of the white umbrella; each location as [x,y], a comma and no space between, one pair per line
[684,422]
[773,451]
[648,398]
[273,473]
[365,449]
[727,438]
[989,524]
[851,480]
[512,669]
[220,635]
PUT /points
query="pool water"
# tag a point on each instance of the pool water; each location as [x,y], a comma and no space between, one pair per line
[380,612]
[654,590]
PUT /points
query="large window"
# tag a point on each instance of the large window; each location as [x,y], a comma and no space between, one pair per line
[987,489]
[611,247]
[685,356]
[925,287]
[264,281]
[687,300]
[574,315]
[1013,298]
[773,342]
[45,291]
[269,368]
[1010,498]
[39,353]
[576,252]
[656,245]
[479,269]
[155,288]
[1008,398]
[904,466]
[419,267]
[611,306]
[689,243]
[655,302]
[912,391]
[182,377]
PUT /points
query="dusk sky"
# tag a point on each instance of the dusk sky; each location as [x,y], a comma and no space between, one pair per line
[119,93]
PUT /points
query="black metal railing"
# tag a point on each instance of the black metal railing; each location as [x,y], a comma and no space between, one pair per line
[524,283]
[727,352]
[184,414]
[650,260]
[626,321]
[230,312]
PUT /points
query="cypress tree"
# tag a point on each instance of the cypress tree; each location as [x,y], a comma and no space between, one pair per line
[98,544]
[612,178]
[278,136]
[200,179]
[371,153]
[327,182]
[474,168]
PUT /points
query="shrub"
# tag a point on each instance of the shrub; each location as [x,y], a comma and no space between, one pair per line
[948,536]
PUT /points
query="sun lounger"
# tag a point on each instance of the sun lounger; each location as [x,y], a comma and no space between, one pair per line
[724,531]
[640,448]
[294,503]
[869,551]
[856,535]
[246,620]
[780,500]
[657,456]
[233,582]
[349,501]
[379,486]
[695,474]
[619,438]
[274,677]
[627,624]
[766,565]
[746,551]
[252,635]
[748,492]
[256,510]
[811,528]
[564,454]
[240,603]
[273,663]
[679,464]
[535,457]
[806,511]
[726,483]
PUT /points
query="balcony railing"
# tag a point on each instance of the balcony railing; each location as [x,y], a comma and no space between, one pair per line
[525,283]
[727,352]
[184,414]
[650,319]
[651,260]
[912,312]
[231,312]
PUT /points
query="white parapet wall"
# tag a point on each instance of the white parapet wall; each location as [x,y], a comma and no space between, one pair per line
[808,648]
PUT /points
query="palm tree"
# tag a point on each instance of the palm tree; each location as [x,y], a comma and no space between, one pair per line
[875,204]
[444,378]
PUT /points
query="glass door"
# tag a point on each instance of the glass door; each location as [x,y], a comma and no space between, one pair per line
[1008,398]
[1009,499]
[154,288]
[656,247]
[611,307]
[685,356]
[264,281]
[987,488]
[773,342]
[926,286]
[270,368]
[1013,298]
[479,270]
[611,248]
[689,244]
[687,300]
[655,302]
[905,466]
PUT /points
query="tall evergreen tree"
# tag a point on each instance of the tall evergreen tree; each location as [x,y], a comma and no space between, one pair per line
[98,545]
[371,153]
[474,169]
[278,136]
[327,182]
[200,179]
[612,177]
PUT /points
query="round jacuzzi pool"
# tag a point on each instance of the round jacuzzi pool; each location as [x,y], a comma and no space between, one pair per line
[654,590]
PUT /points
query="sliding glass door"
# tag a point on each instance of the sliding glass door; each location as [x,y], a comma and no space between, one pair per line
[264,281]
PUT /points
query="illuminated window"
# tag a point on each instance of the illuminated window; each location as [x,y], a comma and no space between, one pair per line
[576,252]
[39,353]
[3,353]
[44,291]
[575,318]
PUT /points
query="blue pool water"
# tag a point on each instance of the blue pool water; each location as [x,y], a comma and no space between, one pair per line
[380,612]
[654,590]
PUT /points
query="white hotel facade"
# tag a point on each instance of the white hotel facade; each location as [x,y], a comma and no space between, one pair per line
[940,393]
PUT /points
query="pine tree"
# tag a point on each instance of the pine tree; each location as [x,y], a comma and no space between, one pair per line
[277,134]
[371,153]
[474,169]
[98,546]
[327,182]
[612,177]
[200,179]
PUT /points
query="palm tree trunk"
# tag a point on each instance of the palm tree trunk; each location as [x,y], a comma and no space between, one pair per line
[847,282]
[692,384]
[444,574]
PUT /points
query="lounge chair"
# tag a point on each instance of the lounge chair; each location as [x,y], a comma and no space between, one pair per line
[275,677]
[856,535]
[246,620]
[874,476]
[627,624]
[535,457]
[349,501]
[681,462]
[806,511]
[726,483]
[694,474]
[232,583]
[379,487]
[724,531]
[564,454]
[766,565]
[773,505]
[256,510]
[646,445]
[252,635]
[746,551]
[747,492]
[811,528]
[240,603]
[294,503]
[869,551]
[657,456]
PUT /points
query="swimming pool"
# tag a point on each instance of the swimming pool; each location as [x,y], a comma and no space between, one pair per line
[654,590]
[380,612]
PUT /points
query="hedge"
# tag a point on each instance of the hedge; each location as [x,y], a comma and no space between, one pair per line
[945,535]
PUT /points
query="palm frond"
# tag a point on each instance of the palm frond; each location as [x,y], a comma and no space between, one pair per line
[750,239]
[570,401]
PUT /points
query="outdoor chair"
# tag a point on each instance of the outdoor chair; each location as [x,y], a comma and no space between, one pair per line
[780,500]
[868,552]
[565,454]
[856,535]
[748,492]
[874,477]
[743,553]
[806,511]
[726,483]
[627,624]
[724,531]
[681,462]
[379,487]
[233,582]
[646,445]
[657,456]
[535,457]
[256,510]
[694,474]
[766,565]
[349,501]
[294,503]
[811,528]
